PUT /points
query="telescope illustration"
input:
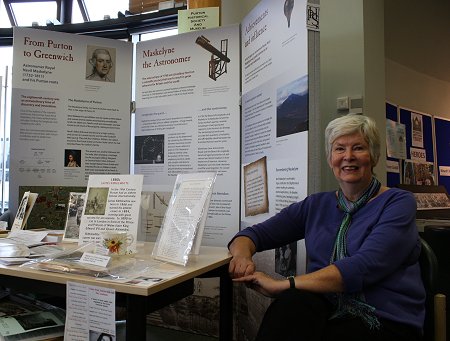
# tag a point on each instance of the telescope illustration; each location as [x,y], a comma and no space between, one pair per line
[219,60]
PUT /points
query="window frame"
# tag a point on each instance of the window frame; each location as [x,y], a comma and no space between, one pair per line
[120,28]
[12,17]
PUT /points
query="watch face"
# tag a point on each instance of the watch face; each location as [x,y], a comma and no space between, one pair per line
[149,149]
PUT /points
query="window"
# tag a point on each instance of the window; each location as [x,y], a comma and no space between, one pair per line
[5,109]
[27,14]
[43,12]
[98,9]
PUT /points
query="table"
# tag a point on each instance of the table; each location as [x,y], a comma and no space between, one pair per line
[139,301]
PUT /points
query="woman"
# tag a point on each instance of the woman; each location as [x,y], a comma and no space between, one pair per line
[363,278]
[72,162]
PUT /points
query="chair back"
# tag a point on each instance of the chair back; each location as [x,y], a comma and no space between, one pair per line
[429,271]
[438,237]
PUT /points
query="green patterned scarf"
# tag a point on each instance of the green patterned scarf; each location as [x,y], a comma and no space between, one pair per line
[353,304]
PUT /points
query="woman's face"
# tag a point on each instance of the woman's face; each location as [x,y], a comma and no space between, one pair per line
[70,157]
[350,160]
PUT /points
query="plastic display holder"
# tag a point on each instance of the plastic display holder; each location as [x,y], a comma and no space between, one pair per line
[182,228]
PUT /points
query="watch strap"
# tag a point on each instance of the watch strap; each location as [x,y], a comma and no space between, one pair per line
[291,282]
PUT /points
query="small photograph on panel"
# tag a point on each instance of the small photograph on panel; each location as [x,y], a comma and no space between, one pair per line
[256,188]
[74,213]
[95,335]
[285,259]
[424,173]
[292,107]
[97,198]
[218,63]
[149,149]
[100,64]
[72,158]
[408,173]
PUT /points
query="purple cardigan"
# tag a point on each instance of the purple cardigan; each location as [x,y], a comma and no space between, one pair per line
[382,244]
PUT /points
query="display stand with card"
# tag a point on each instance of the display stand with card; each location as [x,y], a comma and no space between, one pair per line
[182,229]
[25,207]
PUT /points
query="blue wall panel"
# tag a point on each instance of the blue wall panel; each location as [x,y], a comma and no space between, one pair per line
[442,130]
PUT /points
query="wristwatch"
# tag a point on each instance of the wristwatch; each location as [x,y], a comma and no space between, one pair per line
[291,282]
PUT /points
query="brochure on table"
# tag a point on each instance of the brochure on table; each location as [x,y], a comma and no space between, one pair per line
[112,204]
[65,125]
[90,312]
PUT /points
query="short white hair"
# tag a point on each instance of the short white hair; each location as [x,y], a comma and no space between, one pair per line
[351,124]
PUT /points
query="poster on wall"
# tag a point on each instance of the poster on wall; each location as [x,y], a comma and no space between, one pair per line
[418,173]
[274,109]
[275,120]
[187,121]
[395,140]
[393,176]
[442,128]
[417,130]
[70,113]
[274,105]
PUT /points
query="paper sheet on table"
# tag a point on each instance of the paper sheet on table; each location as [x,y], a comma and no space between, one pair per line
[29,238]
[146,273]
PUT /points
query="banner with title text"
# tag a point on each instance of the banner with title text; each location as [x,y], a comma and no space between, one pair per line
[275,123]
[274,109]
[188,120]
[70,109]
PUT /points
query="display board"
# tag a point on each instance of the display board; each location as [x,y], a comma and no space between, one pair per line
[274,110]
[70,109]
[275,122]
[187,121]
[442,133]
[418,167]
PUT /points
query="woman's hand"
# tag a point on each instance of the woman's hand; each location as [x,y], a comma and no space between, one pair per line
[264,284]
[241,266]
[242,249]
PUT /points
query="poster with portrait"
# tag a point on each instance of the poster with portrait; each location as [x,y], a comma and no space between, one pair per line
[70,109]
